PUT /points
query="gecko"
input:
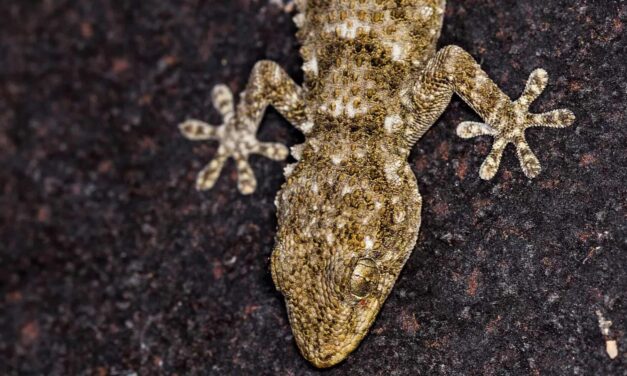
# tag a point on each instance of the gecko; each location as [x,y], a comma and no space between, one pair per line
[349,210]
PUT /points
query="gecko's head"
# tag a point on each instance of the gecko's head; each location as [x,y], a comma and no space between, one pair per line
[331,313]
[341,244]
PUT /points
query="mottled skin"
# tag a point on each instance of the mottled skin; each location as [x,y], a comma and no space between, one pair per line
[349,212]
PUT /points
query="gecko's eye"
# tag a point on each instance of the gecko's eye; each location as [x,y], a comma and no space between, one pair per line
[365,278]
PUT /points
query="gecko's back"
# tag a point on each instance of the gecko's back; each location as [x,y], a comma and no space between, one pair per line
[357,53]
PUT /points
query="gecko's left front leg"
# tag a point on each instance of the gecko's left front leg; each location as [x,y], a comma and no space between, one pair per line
[453,70]
[268,85]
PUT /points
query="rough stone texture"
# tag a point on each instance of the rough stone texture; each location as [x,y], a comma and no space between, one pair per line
[111,263]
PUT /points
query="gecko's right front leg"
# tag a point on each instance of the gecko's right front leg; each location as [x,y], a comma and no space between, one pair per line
[268,85]
[453,70]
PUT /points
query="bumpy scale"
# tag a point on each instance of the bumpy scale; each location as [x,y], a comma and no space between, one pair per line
[349,211]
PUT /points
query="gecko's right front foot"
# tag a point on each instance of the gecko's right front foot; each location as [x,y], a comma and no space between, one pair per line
[237,140]
[507,124]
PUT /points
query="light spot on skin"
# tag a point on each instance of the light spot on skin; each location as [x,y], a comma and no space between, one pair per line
[351,111]
[397,52]
[339,108]
[336,159]
[391,172]
[426,12]
[299,20]
[306,127]
[297,151]
[289,169]
[330,238]
[346,190]
[311,66]
[369,243]
[392,122]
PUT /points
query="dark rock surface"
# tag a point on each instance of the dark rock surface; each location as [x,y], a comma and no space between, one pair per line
[112,264]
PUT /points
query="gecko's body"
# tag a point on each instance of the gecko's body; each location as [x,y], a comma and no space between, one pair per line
[349,211]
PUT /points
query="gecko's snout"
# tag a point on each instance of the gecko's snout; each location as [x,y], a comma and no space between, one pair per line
[325,348]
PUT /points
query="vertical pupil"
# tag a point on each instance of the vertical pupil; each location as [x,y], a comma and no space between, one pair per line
[365,278]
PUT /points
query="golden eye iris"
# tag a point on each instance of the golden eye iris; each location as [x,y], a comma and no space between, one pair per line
[365,278]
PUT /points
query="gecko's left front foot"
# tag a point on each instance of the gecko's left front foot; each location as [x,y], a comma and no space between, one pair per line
[237,140]
[507,124]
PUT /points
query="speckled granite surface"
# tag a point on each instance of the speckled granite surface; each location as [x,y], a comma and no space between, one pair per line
[111,263]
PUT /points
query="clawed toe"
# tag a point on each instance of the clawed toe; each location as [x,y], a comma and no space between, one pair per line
[209,175]
[538,79]
[528,160]
[246,181]
[553,119]
[470,129]
[222,99]
[491,164]
[196,130]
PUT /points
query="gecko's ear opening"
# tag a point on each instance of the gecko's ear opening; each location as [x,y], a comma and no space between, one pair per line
[365,278]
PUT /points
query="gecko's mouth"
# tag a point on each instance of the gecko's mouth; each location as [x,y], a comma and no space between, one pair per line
[326,343]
